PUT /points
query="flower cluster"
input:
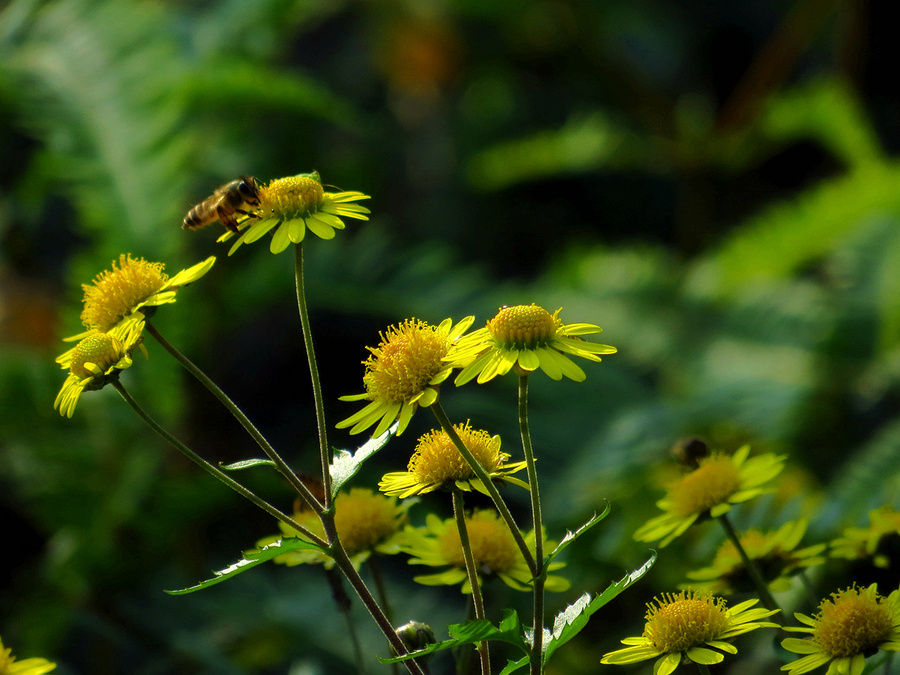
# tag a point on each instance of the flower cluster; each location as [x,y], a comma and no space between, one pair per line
[413,359]
[719,482]
[115,308]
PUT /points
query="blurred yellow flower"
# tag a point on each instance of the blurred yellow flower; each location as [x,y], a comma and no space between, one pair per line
[774,553]
[719,482]
[495,551]
[10,666]
[870,542]
[366,522]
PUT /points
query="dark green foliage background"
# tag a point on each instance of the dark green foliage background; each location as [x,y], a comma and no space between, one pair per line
[713,183]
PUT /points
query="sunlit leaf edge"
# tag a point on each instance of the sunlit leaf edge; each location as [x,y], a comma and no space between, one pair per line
[345,464]
[251,559]
[574,618]
[572,536]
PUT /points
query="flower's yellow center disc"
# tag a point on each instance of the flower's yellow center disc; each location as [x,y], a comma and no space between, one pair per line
[100,349]
[523,326]
[437,460]
[409,356]
[118,292]
[685,620]
[291,197]
[493,547]
[853,621]
[712,483]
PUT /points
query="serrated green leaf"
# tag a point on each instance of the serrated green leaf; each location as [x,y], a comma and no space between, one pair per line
[471,632]
[247,464]
[513,666]
[251,559]
[345,464]
[571,620]
[572,536]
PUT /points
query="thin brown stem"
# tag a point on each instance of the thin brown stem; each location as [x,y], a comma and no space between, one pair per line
[239,415]
[761,587]
[213,470]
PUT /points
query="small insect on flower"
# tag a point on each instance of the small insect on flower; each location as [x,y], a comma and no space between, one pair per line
[237,197]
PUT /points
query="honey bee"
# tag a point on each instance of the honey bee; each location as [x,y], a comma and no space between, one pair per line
[227,201]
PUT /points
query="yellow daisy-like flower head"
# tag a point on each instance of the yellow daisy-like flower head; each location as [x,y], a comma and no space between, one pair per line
[495,551]
[850,625]
[875,542]
[525,337]
[290,206]
[366,522]
[95,362]
[437,463]
[10,666]
[691,625]
[403,372]
[774,553]
[718,482]
[117,295]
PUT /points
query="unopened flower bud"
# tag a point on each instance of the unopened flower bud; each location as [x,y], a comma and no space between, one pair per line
[416,635]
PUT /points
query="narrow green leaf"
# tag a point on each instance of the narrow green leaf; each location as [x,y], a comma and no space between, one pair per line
[247,464]
[251,559]
[572,536]
[571,620]
[345,464]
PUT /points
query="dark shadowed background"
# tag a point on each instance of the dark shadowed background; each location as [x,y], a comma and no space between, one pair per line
[713,183]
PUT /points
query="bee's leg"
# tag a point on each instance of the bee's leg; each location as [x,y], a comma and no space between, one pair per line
[228,220]
[251,215]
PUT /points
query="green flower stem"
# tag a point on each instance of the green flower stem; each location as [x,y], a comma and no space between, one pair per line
[324,452]
[342,601]
[483,476]
[336,550]
[761,587]
[703,668]
[213,470]
[342,560]
[811,599]
[378,580]
[239,415]
[540,574]
[381,591]
[472,572]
